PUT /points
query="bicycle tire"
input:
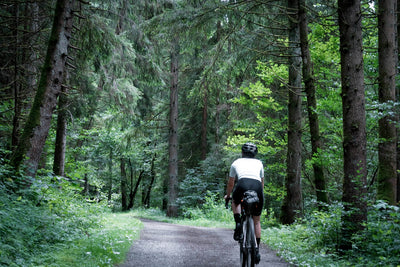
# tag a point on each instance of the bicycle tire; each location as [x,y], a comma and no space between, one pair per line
[251,243]
[243,250]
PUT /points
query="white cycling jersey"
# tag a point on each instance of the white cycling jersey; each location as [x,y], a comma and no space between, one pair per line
[247,168]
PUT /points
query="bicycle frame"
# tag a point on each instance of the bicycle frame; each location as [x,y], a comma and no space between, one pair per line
[248,242]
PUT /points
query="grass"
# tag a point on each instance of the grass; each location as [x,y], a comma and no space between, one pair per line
[200,220]
[105,245]
[67,231]
[108,243]
[291,243]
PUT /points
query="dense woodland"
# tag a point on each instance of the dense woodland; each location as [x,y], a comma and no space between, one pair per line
[146,103]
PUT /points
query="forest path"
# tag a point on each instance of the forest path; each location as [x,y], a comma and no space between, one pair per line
[165,244]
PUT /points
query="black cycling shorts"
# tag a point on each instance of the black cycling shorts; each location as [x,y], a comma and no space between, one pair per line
[245,184]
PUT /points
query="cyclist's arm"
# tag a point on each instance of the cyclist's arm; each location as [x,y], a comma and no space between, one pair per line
[229,187]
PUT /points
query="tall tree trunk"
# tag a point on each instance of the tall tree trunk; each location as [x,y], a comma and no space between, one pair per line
[292,204]
[172,209]
[204,124]
[153,177]
[37,127]
[398,99]
[61,134]
[16,83]
[133,193]
[32,64]
[354,133]
[122,13]
[131,197]
[387,33]
[124,198]
[110,178]
[309,82]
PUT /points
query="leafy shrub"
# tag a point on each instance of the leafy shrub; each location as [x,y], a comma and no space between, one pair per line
[379,244]
[269,218]
[35,220]
[104,245]
[324,227]
[214,208]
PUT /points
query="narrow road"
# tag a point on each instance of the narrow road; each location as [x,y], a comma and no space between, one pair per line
[164,244]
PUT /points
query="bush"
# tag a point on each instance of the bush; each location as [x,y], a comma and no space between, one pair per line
[379,244]
[35,220]
[324,228]
[212,209]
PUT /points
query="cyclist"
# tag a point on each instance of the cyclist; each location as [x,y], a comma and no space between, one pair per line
[248,174]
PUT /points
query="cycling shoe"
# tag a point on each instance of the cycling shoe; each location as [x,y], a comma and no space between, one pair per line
[257,256]
[237,235]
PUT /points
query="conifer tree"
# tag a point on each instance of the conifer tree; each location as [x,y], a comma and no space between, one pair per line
[37,127]
[387,31]
[354,123]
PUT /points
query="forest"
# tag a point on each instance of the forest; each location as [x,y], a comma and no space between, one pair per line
[115,106]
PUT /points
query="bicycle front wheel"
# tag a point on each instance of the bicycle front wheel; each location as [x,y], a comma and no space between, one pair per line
[243,249]
[250,243]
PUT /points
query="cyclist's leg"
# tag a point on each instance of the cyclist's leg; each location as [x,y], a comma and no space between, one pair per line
[237,195]
[236,208]
[257,226]
[256,218]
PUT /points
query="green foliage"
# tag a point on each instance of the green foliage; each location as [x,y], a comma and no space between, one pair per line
[104,245]
[379,244]
[214,208]
[314,241]
[51,224]
[208,178]
[35,220]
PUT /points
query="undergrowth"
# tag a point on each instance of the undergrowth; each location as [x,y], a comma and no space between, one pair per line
[211,214]
[51,224]
[314,241]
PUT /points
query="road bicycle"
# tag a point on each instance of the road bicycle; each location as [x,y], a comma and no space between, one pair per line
[247,240]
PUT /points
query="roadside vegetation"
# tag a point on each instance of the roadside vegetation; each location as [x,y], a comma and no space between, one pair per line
[56,226]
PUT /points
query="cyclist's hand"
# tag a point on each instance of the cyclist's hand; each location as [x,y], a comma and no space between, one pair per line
[227,198]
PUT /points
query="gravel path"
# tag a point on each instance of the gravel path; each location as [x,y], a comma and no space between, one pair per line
[164,244]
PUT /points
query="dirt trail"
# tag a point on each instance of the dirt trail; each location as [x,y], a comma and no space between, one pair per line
[164,244]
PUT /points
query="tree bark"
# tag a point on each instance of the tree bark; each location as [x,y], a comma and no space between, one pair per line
[172,209]
[292,203]
[309,82]
[16,84]
[387,33]
[398,117]
[37,127]
[354,132]
[153,178]
[61,134]
[110,178]
[122,13]
[133,193]
[130,205]
[124,198]
[204,124]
